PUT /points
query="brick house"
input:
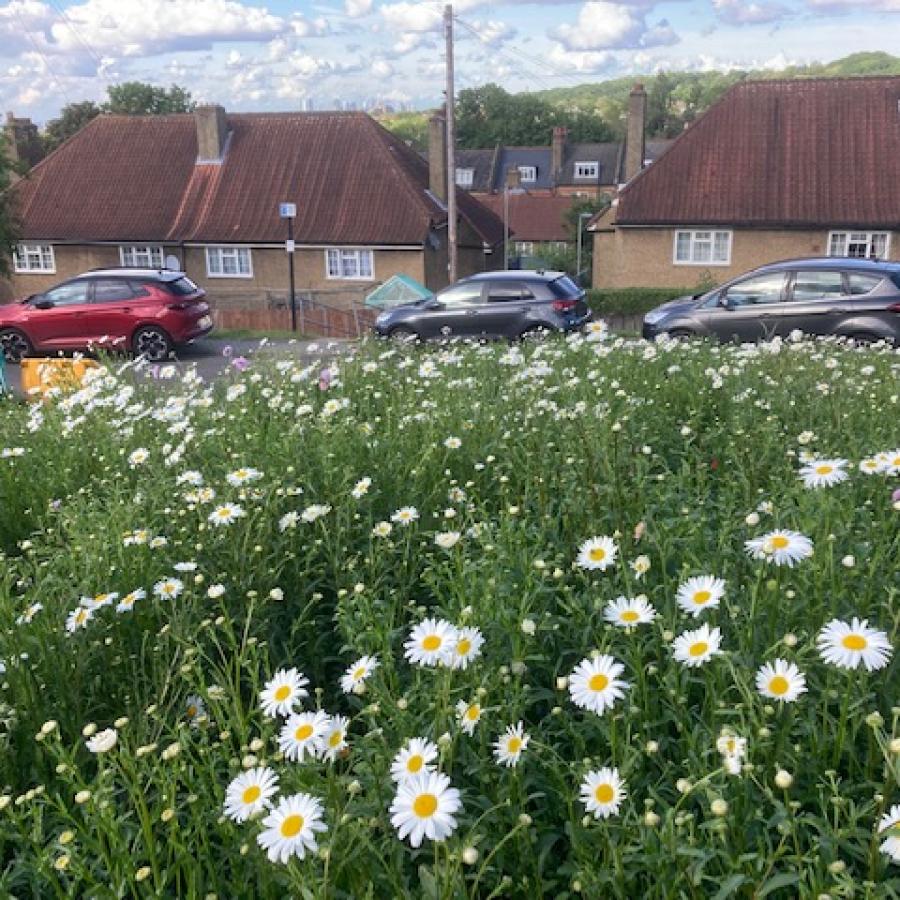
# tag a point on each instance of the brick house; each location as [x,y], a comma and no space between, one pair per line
[774,170]
[205,189]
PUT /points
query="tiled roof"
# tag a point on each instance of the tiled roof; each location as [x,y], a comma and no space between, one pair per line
[136,178]
[533,217]
[482,164]
[800,153]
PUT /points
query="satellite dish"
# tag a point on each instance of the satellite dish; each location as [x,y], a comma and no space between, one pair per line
[173,263]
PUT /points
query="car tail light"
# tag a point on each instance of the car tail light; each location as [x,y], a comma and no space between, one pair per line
[894,307]
[564,305]
[180,307]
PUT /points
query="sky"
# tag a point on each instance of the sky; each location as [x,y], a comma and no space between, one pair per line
[278,55]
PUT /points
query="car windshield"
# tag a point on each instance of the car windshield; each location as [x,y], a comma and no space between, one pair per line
[181,286]
[564,287]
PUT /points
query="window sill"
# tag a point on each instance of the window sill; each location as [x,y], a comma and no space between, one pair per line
[34,271]
[244,277]
[705,264]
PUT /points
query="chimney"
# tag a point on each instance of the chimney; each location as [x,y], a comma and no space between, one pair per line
[558,159]
[212,133]
[513,178]
[634,140]
[23,145]
[437,156]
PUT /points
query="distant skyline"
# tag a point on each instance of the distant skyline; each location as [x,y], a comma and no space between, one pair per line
[282,55]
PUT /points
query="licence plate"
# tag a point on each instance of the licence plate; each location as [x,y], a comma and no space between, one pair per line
[205,322]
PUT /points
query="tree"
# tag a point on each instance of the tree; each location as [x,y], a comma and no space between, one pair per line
[71,119]
[135,98]
[9,222]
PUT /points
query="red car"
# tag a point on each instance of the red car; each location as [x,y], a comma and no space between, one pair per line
[146,311]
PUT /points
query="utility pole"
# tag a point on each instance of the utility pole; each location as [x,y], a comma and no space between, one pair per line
[451,149]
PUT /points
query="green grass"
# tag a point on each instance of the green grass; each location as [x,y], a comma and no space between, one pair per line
[679,454]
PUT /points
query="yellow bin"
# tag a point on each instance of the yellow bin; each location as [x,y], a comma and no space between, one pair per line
[39,376]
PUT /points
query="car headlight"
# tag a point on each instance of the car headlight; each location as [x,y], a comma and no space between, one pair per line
[654,316]
[382,318]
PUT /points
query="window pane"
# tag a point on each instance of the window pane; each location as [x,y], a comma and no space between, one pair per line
[107,290]
[68,294]
[461,294]
[683,246]
[720,247]
[879,245]
[702,247]
[365,263]
[862,284]
[333,263]
[816,285]
[759,289]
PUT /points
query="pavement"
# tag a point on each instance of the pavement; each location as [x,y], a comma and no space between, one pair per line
[214,357]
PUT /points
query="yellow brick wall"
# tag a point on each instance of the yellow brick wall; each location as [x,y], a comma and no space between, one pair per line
[642,257]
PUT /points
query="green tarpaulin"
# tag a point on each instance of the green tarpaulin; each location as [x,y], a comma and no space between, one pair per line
[397,290]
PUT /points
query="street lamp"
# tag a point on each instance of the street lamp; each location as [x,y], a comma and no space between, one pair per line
[289,211]
[581,218]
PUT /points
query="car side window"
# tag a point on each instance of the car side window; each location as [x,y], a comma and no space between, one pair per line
[817,285]
[758,290]
[862,284]
[110,290]
[70,294]
[461,295]
[506,292]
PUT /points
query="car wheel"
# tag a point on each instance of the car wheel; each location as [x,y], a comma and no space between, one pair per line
[864,339]
[403,334]
[14,344]
[152,343]
[535,333]
[680,334]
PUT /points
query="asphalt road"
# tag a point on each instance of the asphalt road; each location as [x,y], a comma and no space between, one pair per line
[213,357]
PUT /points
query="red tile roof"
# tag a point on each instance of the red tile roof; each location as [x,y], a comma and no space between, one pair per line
[533,217]
[800,153]
[136,178]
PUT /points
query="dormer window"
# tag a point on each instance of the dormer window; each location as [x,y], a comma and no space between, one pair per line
[585,171]
[527,173]
[465,178]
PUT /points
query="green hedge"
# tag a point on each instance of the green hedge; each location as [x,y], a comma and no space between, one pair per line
[631,301]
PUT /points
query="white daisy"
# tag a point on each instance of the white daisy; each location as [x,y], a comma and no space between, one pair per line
[356,675]
[194,709]
[870,466]
[302,735]
[413,759]
[594,684]
[240,477]
[361,488]
[282,691]
[628,613]
[468,715]
[431,643]
[334,741]
[700,593]
[249,793]
[138,457]
[729,744]
[168,588]
[597,553]
[467,647]
[382,529]
[780,680]
[447,540]
[889,824]
[452,443]
[824,472]
[694,648]
[226,514]
[126,604]
[602,792]
[103,741]
[424,808]
[890,462]
[846,646]
[640,566]
[30,612]
[78,618]
[315,511]
[509,746]
[405,515]
[290,828]
[784,548]
[98,601]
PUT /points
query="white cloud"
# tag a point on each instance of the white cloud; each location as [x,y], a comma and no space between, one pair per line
[740,12]
[381,68]
[660,35]
[426,16]
[847,5]
[602,26]
[584,62]
[357,8]
[493,32]
[303,27]
[410,41]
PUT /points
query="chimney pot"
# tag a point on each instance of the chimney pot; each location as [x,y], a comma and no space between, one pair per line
[212,132]
[437,156]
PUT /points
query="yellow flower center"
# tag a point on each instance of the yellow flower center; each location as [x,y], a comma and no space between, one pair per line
[283,693]
[335,739]
[779,685]
[698,649]
[251,794]
[291,826]
[604,793]
[192,711]
[464,646]
[473,712]
[598,682]
[514,745]
[598,554]
[415,763]
[630,616]
[224,513]
[824,470]
[425,805]
[431,643]
[702,597]
[779,542]
[855,642]
[303,732]
[359,673]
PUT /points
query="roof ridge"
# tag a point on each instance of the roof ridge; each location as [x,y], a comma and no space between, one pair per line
[804,79]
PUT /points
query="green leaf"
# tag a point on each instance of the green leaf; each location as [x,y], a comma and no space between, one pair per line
[427,883]
[778,881]
[730,886]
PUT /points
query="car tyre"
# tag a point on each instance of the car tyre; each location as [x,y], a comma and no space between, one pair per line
[152,343]
[864,339]
[680,334]
[403,334]
[14,345]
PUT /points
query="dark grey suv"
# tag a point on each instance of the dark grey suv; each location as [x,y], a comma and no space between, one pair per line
[491,304]
[852,298]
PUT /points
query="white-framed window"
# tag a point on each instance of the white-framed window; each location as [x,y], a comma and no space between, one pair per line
[465,178]
[586,170]
[349,265]
[137,256]
[527,173]
[524,248]
[34,258]
[702,248]
[859,244]
[229,262]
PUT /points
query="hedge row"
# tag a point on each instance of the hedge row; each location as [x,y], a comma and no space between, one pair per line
[631,301]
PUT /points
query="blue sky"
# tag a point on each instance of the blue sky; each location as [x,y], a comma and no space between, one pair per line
[254,55]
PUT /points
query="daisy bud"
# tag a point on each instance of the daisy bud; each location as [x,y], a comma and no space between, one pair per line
[276,594]
[256,745]
[783,779]
[142,873]
[121,722]
[837,867]
[528,626]
[895,746]
[199,579]
[525,819]
[668,636]
[874,720]
[719,807]
[790,640]
[576,887]
[683,786]
[66,837]
[558,573]
[444,740]
[249,761]
[89,730]
[245,849]
[5,801]
[651,747]
[48,727]
[848,562]
[171,751]
[518,667]
[651,819]
[402,703]
[562,683]
[354,788]
[752,519]
[556,711]
[470,856]
[82,797]
[764,732]
[62,862]
[167,814]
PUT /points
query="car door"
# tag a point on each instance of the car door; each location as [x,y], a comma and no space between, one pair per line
[58,317]
[746,311]
[453,312]
[816,301]
[505,311]
[111,315]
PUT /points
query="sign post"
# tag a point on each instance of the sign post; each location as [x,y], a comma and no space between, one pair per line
[289,211]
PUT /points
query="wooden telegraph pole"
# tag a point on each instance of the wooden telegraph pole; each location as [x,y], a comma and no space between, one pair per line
[452,239]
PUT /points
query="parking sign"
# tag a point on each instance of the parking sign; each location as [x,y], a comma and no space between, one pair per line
[287,210]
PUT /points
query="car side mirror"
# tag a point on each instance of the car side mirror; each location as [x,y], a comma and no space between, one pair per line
[725,301]
[43,304]
[434,304]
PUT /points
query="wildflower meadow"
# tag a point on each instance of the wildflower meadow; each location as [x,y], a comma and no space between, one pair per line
[588,617]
